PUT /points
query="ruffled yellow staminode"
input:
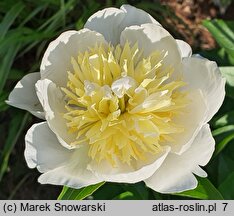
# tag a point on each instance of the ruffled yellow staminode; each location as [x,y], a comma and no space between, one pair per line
[121,103]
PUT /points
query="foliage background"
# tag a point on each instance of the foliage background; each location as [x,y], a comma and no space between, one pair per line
[26,28]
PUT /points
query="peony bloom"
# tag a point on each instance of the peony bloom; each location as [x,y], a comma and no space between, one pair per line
[123,101]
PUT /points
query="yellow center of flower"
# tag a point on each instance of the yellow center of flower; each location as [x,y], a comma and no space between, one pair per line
[121,103]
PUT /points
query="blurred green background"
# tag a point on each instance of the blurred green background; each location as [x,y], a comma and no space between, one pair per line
[26,28]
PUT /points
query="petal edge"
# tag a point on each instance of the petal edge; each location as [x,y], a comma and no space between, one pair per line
[176,173]
[24,96]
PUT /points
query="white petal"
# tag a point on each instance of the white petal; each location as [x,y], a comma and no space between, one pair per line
[199,172]
[110,22]
[192,120]
[107,22]
[59,165]
[24,95]
[185,48]
[74,173]
[53,102]
[151,38]
[203,74]
[57,58]
[136,16]
[69,177]
[43,149]
[176,173]
[125,173]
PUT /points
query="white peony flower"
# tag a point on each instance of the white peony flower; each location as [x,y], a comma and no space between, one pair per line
[123,101]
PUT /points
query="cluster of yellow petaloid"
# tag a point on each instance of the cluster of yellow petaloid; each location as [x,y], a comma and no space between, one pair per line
[121,103]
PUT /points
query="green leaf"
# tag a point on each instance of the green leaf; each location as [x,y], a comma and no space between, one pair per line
[225,129]
[221,145]
[78,194]
[9,18]
[139,190]
[228,73]
[225,165]
[7,63]
[223,136]
[16,74]
[57,19]
[226,187]
[224,120]
[24,36]
[17,125]
[108,191]
[204,190]
[223,33]
[33,14]
[127,195]
[3,105]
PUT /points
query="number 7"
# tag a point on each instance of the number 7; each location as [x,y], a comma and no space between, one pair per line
[225,205]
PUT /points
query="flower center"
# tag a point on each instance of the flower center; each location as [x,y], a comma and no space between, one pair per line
[122,104]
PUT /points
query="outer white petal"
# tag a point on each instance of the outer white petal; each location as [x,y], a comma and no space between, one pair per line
[128,174]
[74,173]
[53,102]
[176,173]
[185,48]
[110,22]
[107,22]
[151,38]
[57,58]
[192,119]
[69,176]
[203,74]
[24,95]
[59,165]
[43,149]
[136,16]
